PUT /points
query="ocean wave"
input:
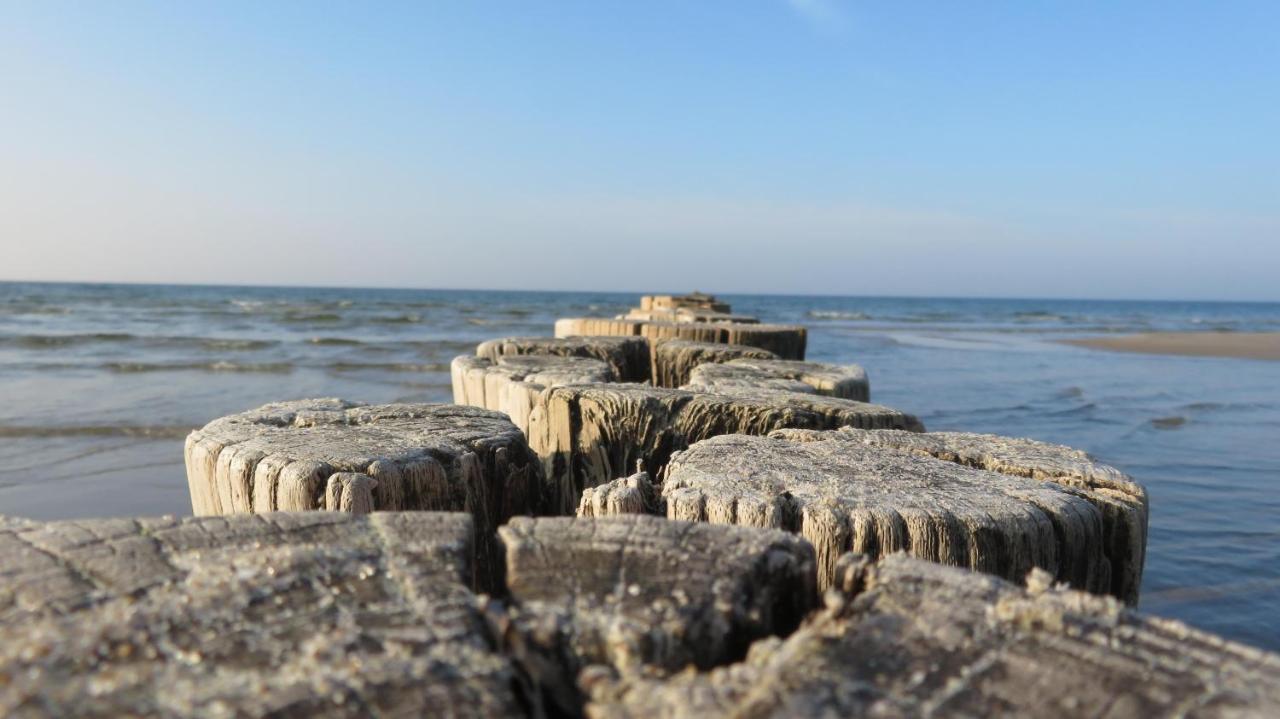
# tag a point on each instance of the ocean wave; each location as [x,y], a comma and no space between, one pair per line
[310,317]
[923,317]
[388,366]
[39,341]
[303,306]
[837,315]
[405,319]
[436,346]
[104,430]
[219,366]
[1083,409]
[1173,422]
[233,344]
[1204,406]
[492,321]
[337,341]
[1216,325]
[1041,316]
[42,341]
[33,309]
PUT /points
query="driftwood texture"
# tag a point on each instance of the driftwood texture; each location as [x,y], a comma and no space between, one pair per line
[674,360]
[628,495]
[307,614]
[587,435]
[687,315]
[910,638]
[640,592]
[847,496]
[1122,501]
[628,356]
[693,301]
[786,341]
[282,457]
[511,384]
[844,381]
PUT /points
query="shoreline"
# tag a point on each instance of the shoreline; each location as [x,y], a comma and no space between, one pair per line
[1238,345]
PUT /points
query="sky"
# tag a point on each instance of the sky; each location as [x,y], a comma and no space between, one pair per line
[1025,148]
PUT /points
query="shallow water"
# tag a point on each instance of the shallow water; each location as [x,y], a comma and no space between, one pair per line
[100,383]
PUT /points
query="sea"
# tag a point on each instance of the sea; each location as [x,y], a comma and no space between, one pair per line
[99,384]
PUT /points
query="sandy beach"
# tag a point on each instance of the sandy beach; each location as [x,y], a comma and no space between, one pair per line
[1248,345]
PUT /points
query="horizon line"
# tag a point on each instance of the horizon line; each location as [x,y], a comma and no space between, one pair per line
[119,283]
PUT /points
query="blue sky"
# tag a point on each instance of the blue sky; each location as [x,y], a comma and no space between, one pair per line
[804,146]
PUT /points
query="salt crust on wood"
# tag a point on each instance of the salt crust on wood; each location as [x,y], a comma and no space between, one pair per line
[910,638]
[628,356]
[308,614]
[587,435]
[640,593]
[674,360]
[844,381]
[786,341]
[1122,501]
[847,496]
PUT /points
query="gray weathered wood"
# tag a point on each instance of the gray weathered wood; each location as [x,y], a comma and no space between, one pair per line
[587,435]
[1122,501]
[628,356]
[628,495]
[511,384]
[674,360]
[911,638]
[639,593]
[349,492]
[832,412]
[786,341]
[422,456]
[307,614]
[692,301]
[847,496]
[845,381]
[687,315]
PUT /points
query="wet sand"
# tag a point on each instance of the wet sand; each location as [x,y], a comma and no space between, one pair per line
[1248,345]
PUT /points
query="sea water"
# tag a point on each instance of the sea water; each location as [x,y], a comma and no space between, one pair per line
[100,383]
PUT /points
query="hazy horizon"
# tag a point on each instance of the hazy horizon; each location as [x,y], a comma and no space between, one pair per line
[793,147]
[642,291]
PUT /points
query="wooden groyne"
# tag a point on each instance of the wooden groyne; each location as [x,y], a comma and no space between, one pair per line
[674,516]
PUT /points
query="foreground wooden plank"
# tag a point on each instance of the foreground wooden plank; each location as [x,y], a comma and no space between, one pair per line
[307,614]
[640,593]
[906,637]
[847,496]
[587,435]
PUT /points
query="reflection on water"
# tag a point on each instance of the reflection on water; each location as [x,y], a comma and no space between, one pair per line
[100,383]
